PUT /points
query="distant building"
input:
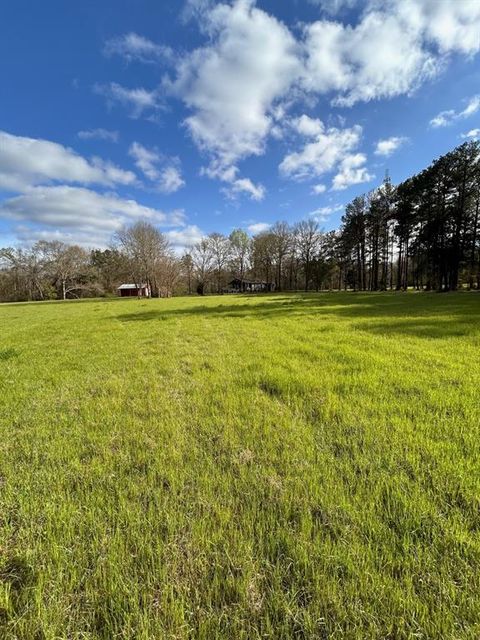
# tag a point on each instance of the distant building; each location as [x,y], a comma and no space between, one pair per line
[135,290]
[243,285]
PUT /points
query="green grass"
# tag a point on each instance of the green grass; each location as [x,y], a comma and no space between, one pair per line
[284,466]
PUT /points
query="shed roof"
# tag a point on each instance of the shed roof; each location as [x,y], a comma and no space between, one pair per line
[132,286]
[246,281]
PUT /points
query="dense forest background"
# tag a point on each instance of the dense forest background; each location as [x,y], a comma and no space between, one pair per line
[422,233]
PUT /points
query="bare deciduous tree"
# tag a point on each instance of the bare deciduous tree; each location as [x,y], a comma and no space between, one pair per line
[187,267]
[282,241]
[146,249]
[67,265]
[262,255]
[202,260]
[221,252]
[240,247]
[308,239]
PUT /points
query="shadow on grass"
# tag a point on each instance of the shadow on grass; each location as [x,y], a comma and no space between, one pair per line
[19,577]
[423,315]
[69,301]
[8,354]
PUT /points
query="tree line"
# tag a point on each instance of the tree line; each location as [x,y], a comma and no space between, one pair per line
[423,233]
[50,270]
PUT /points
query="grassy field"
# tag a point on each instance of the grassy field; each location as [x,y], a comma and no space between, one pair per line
[284,466]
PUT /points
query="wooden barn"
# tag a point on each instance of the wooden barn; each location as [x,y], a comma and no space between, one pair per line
[135,290]
[243,285]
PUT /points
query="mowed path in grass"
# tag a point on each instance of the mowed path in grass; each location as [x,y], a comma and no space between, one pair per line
[283,466]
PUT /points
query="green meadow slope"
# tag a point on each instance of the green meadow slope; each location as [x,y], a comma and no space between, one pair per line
[284,466]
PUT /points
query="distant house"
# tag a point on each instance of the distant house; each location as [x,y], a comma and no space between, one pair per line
[242,285]
[139,291]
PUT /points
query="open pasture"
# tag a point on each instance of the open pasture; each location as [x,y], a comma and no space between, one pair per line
[281,466]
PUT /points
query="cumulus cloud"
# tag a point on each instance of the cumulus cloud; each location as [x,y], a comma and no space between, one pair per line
[165,172]
[395,46]
[232,84]
[132,46]
[236,185]
[245,185]
[81,213]
[351,172]
[388,146]
[308,127]
[182,239]
[49,203]
[444,118]
[30,161]
[451,25]
[322,214]
[473,133]
[145,159]
[138,100]
[196,10]
[85,237]
[170,179]
[392,48]
[258,227]
[334,7]
[99,134]
[381,57]
[317,189]
[324,150]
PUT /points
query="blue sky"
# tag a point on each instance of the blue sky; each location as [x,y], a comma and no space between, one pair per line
[203,116]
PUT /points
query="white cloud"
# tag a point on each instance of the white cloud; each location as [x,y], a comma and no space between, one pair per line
[325,66]
[30,161]
[351,172]
[389,145]
[137,100]
[317,189]
[99,134]
[145,159]
[308,127]
[322,214]
[394,47]
[87,238]
[165,172]
[236,185]
[472,107]
[258,227]
[132,46]
[170,179]
[381,57]
[473,133]
[80,213]
[322,152]
[219,171]
[233,83]
[245,185]
[444,118]
[334,7]
[239,87]
[452,25]
[326,150]
[182,239]
[196,9]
